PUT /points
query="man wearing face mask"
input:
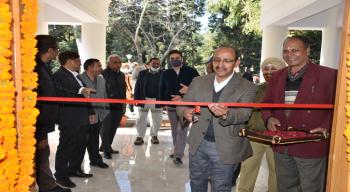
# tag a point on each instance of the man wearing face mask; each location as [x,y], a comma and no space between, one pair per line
[147,88]
[173,85]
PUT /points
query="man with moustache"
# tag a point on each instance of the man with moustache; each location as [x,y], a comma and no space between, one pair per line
[173,85]
[73,120]
[147,88]
[300,167]
[215,149]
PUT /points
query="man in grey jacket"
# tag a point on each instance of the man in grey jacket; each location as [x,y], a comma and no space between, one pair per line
[214,145]
[92,78]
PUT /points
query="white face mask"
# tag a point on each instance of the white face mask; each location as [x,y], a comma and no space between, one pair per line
[154,69]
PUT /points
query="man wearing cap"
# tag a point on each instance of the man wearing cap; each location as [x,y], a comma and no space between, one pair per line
[251,166]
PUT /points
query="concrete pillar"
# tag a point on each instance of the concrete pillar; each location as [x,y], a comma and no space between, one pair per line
[331,36]
[43,27]
[272,43]
[93,42]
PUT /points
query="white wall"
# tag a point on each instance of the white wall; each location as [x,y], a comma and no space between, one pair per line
[285,12]
[93,42]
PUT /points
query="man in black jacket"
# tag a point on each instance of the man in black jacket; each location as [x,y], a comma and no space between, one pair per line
[47,51]
[147,88]
[174,83]
[73,121]
[116,89]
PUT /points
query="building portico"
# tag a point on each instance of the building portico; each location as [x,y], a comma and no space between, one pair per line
[92,15]
[278,16]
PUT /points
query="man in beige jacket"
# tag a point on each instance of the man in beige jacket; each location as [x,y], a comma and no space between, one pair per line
[214,145]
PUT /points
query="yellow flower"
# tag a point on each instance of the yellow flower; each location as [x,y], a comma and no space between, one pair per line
[2,153]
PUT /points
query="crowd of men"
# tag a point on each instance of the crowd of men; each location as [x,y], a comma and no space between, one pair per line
[216,151]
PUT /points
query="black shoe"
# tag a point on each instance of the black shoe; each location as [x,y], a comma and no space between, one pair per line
[138,141]
[177,161]
[154,140]
[114,151]
[107,155]
[57,189]
[171,155]
[80,174]
[100,165]
[65,182]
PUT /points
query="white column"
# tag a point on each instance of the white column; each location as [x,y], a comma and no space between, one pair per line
[43,27]
[331,36]
[272,43]
[93,42]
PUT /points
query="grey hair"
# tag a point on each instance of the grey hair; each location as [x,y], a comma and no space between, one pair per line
[113,55]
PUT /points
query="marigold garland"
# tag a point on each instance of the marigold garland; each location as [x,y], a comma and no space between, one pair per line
[347,107]
[28,114]
[9,166]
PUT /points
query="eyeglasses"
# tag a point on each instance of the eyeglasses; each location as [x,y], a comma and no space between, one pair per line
[224,61]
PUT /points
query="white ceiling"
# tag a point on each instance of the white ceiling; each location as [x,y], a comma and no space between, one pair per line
[299,13]
[75,11]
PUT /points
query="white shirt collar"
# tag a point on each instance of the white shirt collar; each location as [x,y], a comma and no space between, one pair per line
[75,74]
[218,86]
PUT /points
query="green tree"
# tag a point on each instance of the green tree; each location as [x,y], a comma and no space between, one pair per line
[240,33]
[152,28]
[238,12]
[66,36]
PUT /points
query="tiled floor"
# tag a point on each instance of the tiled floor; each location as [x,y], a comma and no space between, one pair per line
[145,168]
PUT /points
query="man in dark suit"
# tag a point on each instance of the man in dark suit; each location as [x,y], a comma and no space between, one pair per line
[73,121]
[47,51]
[300,167]
[116,89]
[214,145]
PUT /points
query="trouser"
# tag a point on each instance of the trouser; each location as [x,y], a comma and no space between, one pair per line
[156,118]
[131,108]
[300,175]
[109,128]
[206,162]
[93,143]
[251,166]
[178,132]
[236,174]
[70,150]
[43,174]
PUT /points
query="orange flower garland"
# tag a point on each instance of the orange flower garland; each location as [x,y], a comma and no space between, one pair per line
[347,107]
[9,167]
[28,114]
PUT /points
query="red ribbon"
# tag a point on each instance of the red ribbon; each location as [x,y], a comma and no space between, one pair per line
[186,103]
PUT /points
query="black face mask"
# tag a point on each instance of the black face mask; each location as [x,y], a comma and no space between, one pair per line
[176,63]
